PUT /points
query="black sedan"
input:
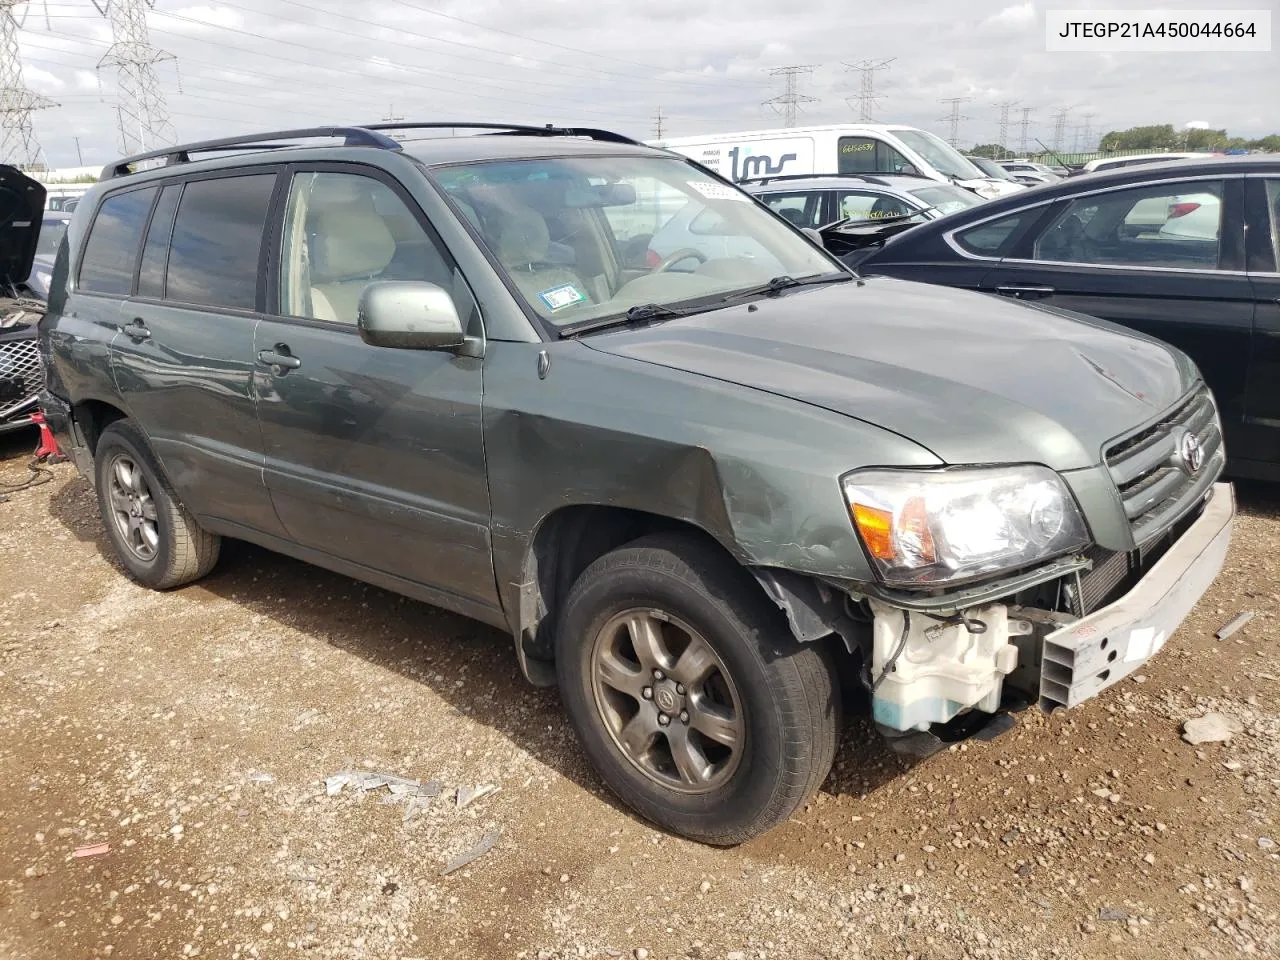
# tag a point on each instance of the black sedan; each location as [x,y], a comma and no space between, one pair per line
[1188,252]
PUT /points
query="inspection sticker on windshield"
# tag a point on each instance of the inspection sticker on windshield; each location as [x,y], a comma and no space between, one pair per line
[718,191]
[557,298]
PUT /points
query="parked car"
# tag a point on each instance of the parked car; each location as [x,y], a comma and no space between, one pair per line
[1160,248]
[993,169]
[53,228]
[696,494]
[1029,172]
[817,201]
[21,372]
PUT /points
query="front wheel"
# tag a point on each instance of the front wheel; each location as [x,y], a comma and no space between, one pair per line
[690,695]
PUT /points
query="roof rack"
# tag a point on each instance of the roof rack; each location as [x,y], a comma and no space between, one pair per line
[513,129]
[365,135]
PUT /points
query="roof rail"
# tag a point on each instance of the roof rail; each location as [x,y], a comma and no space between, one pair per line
[515,129]
[181,153]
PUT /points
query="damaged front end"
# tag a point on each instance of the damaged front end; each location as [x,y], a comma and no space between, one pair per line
[940,659]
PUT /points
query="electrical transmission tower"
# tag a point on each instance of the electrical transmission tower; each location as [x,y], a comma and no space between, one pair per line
[1084,133]
[18,145]
[141,109]
[865,100]
[1060,127]
[1002,140]
[1024,142]
[657,124]
[954,117]
[787,102]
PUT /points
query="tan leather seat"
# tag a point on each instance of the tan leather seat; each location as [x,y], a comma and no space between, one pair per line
[349,246]
[522,243]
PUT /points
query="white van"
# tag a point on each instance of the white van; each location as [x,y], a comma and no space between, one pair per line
[837,148]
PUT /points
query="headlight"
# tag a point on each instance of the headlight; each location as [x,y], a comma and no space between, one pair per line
[939,526]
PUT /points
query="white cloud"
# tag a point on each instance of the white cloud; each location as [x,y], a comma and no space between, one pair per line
[212,16]
[1016,16]
[42,80]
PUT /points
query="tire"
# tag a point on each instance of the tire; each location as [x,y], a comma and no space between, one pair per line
[160,545]
[777,699]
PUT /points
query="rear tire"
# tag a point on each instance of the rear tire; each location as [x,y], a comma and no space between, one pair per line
[751,716]
[155,538]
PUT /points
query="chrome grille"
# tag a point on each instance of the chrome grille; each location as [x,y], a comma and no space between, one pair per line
[1155,485]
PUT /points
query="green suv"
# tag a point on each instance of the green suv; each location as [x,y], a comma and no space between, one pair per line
[716,493]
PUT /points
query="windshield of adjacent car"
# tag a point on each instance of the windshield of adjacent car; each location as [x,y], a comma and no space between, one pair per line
[941,156]
[990,168]
[51,234]
[582,238]
[946,198]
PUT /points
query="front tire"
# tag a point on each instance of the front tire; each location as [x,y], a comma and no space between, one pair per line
[154,536]
[689,693]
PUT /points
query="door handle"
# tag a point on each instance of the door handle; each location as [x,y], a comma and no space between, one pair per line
[279,359]
[1028,291]
[136,330]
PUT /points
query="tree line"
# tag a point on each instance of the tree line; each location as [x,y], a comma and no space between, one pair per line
[1159,138]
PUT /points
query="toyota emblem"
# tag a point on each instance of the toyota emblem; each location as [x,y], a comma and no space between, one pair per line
[1191,453]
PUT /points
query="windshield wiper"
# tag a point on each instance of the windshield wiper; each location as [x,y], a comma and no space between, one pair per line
[778,284]
[640,313]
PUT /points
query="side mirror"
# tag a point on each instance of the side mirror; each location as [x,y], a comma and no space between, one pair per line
[909,171]
[410,315]
[813,235]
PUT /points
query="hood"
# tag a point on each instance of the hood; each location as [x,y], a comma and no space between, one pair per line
[972,377]
[21,209]
[990,187]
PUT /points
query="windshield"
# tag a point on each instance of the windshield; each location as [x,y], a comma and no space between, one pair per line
[51,234]
[584,238]
[990,168]
[941,156]
[946,198]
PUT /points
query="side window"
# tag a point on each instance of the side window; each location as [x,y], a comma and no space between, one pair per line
[342,232]
[217,239]
[1169,225]
[864,205]
[869,155]
[1273,209]
[111,252]
[802,209]
[155,253]
[995,237]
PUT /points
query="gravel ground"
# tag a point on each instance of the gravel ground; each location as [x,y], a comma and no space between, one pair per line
[192,731]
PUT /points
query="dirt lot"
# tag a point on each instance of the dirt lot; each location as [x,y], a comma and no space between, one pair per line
[193,730]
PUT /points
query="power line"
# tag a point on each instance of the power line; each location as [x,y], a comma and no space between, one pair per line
[866,98]
[1002,139]
[141,109]
[1023,125]
[954,117]
[1059,127]
[18,144]
[787,102]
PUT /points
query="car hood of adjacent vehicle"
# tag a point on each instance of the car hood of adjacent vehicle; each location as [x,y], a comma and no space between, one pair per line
[21,210]
[971,377]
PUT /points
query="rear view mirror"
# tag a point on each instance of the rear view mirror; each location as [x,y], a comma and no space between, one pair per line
[410,315]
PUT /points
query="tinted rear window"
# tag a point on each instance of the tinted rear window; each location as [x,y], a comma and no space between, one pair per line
[994,238]
[112,249]
[217,237]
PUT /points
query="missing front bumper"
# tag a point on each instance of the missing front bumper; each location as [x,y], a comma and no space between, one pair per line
[1084,658]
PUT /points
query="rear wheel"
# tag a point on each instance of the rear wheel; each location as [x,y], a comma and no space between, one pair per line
[689,693]
[155,537]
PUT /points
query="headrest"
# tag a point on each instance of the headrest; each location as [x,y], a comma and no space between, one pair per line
[348,242]
[523,237]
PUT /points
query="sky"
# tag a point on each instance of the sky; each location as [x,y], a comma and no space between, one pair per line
[246,65]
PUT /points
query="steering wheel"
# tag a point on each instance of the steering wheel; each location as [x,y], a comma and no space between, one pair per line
[671,259]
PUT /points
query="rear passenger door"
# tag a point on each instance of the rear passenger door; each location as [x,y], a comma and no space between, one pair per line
[375,456]
[184,356]
[1260,437]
